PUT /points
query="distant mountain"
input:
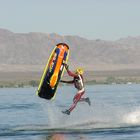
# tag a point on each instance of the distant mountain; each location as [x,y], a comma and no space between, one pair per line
[35,48]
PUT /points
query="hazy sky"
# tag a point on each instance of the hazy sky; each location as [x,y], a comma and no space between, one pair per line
[92,19]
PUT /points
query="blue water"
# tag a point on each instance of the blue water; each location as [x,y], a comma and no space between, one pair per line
[114,114]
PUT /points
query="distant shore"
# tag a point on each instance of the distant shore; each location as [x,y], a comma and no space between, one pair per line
[32,78]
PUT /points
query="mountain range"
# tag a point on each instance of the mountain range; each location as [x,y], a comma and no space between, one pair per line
[34,48]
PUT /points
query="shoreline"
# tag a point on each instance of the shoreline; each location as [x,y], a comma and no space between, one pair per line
[25,85]
[32,78]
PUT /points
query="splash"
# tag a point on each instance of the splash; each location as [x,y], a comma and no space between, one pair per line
[132,117]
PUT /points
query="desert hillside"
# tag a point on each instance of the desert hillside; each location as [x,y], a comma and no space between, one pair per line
[30,51]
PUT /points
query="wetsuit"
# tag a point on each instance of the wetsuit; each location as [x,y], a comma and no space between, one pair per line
[79,85]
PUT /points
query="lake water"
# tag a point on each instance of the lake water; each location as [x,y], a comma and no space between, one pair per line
[114,114]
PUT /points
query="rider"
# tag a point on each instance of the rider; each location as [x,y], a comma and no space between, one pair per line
[79,85]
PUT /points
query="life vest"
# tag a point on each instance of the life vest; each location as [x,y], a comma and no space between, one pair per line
[78,82]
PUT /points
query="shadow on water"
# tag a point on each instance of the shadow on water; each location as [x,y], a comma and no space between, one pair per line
[40,133]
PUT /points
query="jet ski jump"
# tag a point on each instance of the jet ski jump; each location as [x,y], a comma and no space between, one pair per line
[52,75]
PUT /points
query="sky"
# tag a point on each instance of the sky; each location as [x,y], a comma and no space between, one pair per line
[91,19]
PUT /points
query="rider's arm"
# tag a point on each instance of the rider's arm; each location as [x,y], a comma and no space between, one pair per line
[68,82]
[69,72]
